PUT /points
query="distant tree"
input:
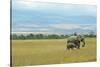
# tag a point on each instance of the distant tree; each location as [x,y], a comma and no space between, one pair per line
[53,36]
[66,36]
[91,34]
[14,36]
[30,36]
[62,36]
[21,37]
[39,36]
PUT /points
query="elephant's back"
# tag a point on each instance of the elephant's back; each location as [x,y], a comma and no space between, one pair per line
[72,38]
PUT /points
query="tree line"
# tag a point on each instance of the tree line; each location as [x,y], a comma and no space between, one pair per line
[42,36]
[37,36]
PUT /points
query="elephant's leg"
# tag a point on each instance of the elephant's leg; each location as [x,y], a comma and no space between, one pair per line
[83,41]
[77,44]
[68,48]
[68,45]
[72,47]
[83,44]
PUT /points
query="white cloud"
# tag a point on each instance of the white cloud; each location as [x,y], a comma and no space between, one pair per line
[88,27]
[27,3]
[28,25]
[43,29]
[74,26]
[21,29]
[57,28]
[65,26]
[31,4]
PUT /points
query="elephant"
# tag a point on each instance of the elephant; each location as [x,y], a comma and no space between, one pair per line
[74,42]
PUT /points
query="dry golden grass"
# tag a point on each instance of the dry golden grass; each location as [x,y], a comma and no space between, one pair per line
[51,51]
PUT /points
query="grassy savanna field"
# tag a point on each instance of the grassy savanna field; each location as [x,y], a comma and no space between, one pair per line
[50,51]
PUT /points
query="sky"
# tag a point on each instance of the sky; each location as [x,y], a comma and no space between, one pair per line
[34,16]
